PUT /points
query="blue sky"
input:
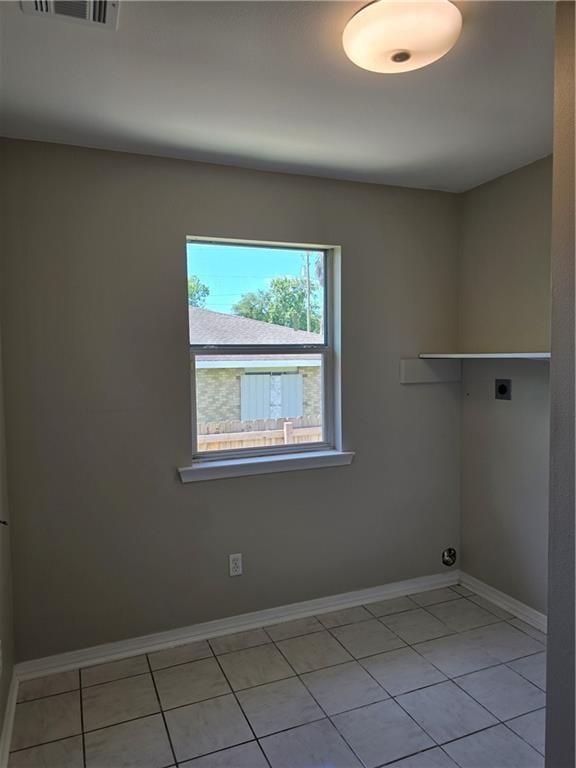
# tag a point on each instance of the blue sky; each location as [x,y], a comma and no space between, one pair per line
[231,271]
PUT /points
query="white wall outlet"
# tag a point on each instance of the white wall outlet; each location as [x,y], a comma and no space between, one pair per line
[235,564]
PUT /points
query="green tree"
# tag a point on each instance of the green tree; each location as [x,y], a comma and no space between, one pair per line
[284,303]
[197,292]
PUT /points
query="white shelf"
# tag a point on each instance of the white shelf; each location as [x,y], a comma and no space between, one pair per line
[486,356]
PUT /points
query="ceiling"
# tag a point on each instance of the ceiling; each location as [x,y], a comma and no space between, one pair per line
[267,85]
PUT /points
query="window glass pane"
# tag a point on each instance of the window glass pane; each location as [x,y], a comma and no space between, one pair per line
[250,295]
[251,401]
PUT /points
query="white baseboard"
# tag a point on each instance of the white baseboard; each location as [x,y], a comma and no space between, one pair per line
[502,600]
[8,722]
[160,640]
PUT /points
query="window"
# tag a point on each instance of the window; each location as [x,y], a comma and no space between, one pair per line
[263,349]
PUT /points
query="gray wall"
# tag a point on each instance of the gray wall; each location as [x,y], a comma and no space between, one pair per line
[107,543]
[504,306]
[560,752]
[6,628]
[505,262]
[505,478]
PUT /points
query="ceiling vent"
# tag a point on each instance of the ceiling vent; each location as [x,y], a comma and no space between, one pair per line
[101,13]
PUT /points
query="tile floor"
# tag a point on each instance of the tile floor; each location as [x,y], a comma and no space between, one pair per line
[436,680]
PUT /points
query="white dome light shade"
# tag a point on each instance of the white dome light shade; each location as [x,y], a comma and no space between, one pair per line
[392,36]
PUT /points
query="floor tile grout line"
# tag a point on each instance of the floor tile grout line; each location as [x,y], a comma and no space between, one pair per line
[293,637]
[522,737]
[364,621]
[178,664]
[413,754]
[369,617]
[493,725]
[455,678]
[490,666]
[460,631]
[507,619]
[523,714]
[455,681]
[423,608]
[450,741]
[261,748]
[531,712]
[447,742]
[395,699]
[469,695]
[293,668]
[162,711]
[345,624]
[82,718]
[122,722]
[370,654]
[507,664]
[482,730]
[324,713]
[350,709]
[217,751]
[49,741]
[293,727]
[47,696]
[236,650]
[394,613]
[413,642]
[396,759]
[44,743]
[209,655]
[237,700]
[297,676]
[336,726]
[427,660]
[324,628]
[114,680]
[420,752]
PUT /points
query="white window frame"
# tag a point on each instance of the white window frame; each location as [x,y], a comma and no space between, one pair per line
[329,452]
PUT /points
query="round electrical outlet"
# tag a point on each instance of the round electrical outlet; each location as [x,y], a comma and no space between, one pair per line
[449,556]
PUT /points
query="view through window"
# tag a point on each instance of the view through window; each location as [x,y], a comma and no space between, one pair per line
[259,346]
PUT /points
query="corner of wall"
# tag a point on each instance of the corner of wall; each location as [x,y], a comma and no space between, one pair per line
[6,613]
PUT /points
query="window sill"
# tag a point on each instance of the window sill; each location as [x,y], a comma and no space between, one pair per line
[263,465]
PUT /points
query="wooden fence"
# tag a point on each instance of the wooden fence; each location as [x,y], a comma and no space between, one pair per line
[227,435]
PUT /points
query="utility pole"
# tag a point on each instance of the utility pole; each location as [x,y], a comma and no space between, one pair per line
[308,310]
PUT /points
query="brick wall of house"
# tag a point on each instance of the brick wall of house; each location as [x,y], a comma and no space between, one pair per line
[218,393]
[312,390]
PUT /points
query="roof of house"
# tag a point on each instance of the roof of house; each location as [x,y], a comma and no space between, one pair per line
[208,327]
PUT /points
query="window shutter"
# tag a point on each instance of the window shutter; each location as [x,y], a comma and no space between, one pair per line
[292,395]
[255,396]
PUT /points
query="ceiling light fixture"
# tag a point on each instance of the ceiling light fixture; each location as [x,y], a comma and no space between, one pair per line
[392,36]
